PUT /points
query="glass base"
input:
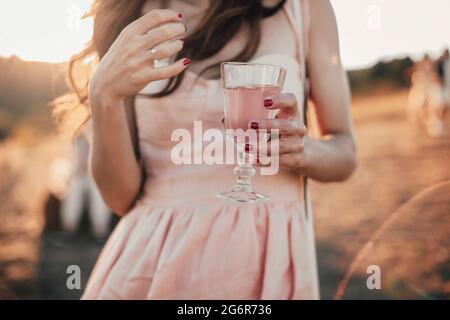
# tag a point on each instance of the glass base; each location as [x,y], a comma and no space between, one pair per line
[243,196]
[242,190]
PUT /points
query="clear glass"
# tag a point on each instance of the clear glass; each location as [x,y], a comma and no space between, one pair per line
[245,86]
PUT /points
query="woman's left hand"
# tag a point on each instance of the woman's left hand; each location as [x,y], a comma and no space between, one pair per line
[292,131]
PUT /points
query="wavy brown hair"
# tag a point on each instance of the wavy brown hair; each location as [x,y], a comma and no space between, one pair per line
[221,22]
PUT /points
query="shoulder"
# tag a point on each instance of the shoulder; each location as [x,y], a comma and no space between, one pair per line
[322,20]
[321,11]
[323,37]
[319,5]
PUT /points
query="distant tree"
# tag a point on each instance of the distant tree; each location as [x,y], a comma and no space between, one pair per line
[386,74]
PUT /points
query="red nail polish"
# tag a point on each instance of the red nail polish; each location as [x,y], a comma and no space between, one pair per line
[187,61]
[254,125]
[268,103]
[180,15]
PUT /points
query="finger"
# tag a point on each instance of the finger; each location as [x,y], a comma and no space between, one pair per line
[291,160]
[263,160]
[285,127]
[151,20]
[162,34]
[291,144]
[148,74]
[170,71]
[288,161]
[285,102]
[166,50]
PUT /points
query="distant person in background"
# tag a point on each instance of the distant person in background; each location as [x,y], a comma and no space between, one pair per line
[82,191]
[425,96]
[444,73]
[57,181]
[417,94]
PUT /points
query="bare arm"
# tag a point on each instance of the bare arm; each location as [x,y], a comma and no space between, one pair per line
[333,157]
[114,164]
[124,71]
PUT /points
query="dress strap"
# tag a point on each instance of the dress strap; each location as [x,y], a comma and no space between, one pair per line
[298,15]
[297,12]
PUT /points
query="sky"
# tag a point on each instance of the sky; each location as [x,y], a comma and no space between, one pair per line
[51,30]
[373,29]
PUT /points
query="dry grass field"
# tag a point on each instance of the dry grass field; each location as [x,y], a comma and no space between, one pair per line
[396,162]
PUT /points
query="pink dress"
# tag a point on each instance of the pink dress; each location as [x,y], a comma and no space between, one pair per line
[181,242]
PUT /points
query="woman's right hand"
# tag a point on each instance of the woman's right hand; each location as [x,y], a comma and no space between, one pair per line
[128,66]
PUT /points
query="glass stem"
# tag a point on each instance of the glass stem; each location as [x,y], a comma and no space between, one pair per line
[244,172]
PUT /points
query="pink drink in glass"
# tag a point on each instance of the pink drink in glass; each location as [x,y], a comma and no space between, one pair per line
[245,104]
[245,86]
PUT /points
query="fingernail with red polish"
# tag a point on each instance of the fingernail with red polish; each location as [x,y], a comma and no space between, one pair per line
[187,61]
[254,125]
[268,103]
[180,15]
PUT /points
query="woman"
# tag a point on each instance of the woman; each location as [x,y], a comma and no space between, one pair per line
[176,240]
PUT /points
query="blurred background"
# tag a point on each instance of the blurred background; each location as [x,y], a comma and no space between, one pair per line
[394,213]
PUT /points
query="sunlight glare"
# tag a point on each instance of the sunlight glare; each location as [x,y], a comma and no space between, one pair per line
[44,30]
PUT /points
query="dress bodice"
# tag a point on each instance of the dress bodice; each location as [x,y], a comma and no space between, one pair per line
[199,99]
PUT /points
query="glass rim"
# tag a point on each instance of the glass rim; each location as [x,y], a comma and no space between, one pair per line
[256,64]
